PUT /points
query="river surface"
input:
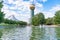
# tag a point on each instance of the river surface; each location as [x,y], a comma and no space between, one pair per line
[29,33]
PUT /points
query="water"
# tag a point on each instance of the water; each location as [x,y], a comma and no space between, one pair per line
[30,33]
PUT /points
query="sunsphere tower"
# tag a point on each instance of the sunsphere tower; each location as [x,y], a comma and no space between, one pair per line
[32,7]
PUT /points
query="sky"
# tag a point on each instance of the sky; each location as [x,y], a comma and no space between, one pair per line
[21,8]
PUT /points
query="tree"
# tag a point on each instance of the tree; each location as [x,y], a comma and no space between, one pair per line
[7,21]
[35,21]
[38,19]
[1,5]
[41,18]
[49,21]
[57,17]
[1,13]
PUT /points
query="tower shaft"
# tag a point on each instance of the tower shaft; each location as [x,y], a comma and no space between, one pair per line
[32,13]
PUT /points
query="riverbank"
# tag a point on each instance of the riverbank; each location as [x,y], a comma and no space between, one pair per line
[46,25]
[3,24]
[51,25]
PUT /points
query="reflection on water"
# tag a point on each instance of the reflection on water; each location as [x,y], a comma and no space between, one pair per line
[50,34]
[44,33]
[31,33]
[19,33]
[57,33]
[37,33]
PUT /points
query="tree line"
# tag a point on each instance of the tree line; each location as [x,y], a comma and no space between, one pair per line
[39,19]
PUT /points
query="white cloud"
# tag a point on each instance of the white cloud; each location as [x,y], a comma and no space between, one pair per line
[39,5]
[23,7]
[55,8]
[44,0]
[51,12]
[48,14]
[38,8]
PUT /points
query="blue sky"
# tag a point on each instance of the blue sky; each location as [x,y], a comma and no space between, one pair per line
[20,8]
[50,3]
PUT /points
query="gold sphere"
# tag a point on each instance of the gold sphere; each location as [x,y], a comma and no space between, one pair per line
[32,7]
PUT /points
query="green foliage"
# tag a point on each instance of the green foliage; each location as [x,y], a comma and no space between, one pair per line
[35,21]
[1,16]
[57,17]
[22,23]
[7,21]
[1,13]
[49,21]
[41,18]
[1,5]
[38,19]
